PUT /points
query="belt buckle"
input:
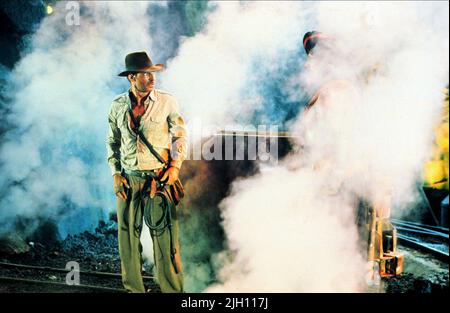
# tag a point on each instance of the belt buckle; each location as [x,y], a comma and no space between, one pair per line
[145,175]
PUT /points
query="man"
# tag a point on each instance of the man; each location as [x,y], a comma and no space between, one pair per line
[338,96]
[332,96]
[143,175]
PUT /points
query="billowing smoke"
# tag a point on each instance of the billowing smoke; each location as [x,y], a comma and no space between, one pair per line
[380,74]
[53,160]
[232,72]
[396,63]
[232,68]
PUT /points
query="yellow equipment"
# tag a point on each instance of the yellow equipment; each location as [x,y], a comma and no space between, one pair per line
[436,169]
[381,245]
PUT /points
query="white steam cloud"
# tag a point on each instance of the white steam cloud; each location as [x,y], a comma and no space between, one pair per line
[292,228]
[213,72]
[61,91]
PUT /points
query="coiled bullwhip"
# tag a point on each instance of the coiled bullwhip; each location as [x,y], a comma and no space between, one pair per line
[158,227]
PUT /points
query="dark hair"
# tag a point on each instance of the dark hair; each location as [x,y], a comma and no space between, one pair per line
[310,40]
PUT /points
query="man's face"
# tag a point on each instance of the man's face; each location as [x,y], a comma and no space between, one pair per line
[144,82]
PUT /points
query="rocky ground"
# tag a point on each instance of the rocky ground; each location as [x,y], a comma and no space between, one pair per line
[422,273]
[97,251]
[93,251]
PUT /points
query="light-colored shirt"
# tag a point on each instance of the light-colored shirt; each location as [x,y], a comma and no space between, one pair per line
[162,125]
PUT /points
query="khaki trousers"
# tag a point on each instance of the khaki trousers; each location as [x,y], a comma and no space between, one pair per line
[130,221]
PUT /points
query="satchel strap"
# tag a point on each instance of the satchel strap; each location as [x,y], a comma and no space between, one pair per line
[144,140]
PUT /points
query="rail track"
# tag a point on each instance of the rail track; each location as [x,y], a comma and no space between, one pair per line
[12,284]
[428,238]
[29,278]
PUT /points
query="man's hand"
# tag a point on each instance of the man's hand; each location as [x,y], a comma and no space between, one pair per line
[171,175]
[119,183]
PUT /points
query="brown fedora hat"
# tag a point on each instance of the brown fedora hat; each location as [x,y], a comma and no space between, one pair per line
[139,62]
